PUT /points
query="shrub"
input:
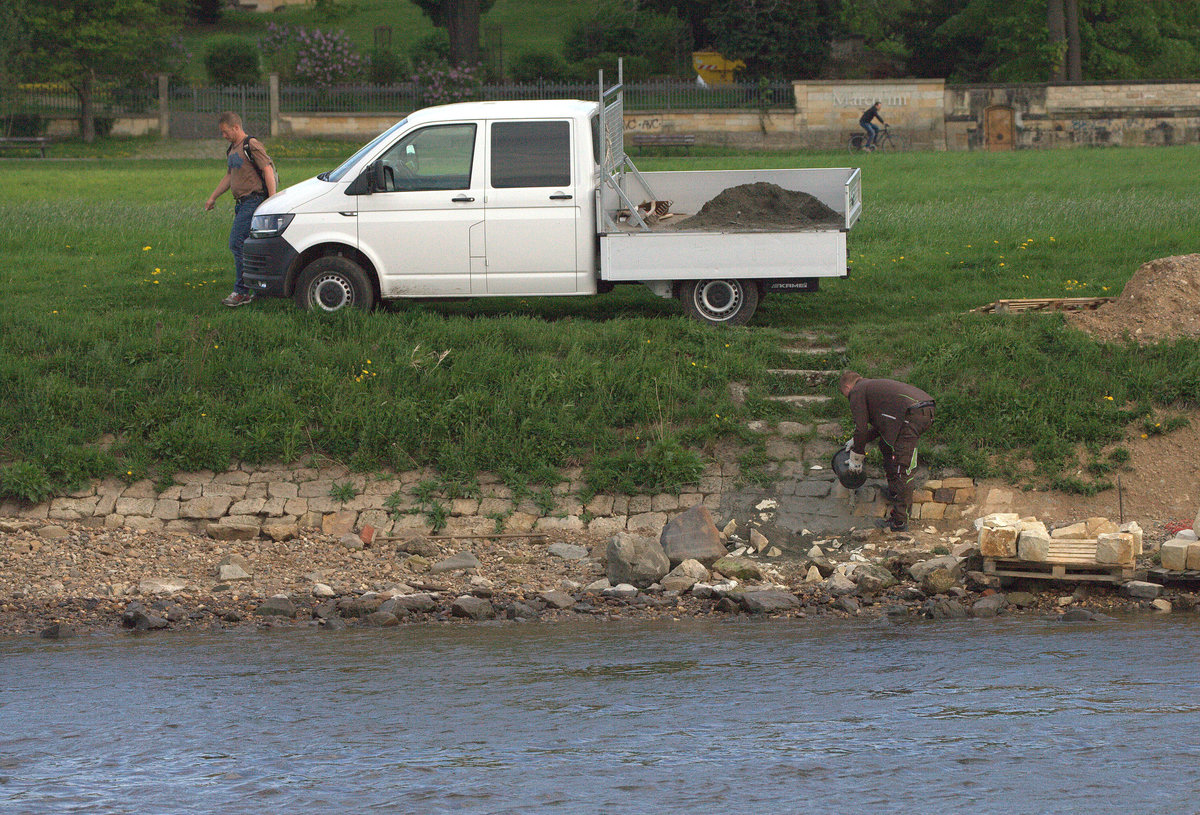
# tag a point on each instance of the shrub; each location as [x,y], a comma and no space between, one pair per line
[232,61]
[441,84]
[386,68]
[204,12]
[23,124]
[534,65]
[22,479]
[326,58]
[433,47]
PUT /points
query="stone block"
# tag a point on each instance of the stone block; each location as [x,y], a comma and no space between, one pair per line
[958,483]
[166,509]
[664,502]
[647,522]
[1173,555]
[208,507]
[1100,526]
[232,532]
[998,542]
[1193,555]
[1133,529]
[250,506]
[943,495]
[916,511]
[1076,532]
[1114,548]
[135,506]
[282,489]
[1034,546]
[933,511]
[338,523]
[921,496]
[932,484]
[964,495]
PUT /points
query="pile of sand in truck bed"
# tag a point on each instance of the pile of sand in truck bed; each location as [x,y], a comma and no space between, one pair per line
[1160,301]
[761,205]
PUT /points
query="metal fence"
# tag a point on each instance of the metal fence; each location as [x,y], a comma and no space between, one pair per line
[59,100]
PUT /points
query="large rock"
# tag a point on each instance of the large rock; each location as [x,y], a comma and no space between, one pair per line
[1193,555]
[232,531]
[137,618]
[838,585]
[420,601]
[1073,532]
[229,572]
[636,560]
[948,562]
[568,551]
[161,585]
[684,576]
[766,601]
[692,535]
[944,610]
[278,606]
[989,606]
[474,608]
[872,578]
[939,581]
[1142,590]
[739,568]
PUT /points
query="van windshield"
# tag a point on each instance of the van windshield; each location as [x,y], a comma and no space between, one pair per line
[337,174]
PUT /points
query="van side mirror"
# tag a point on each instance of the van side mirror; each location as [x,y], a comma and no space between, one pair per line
[378,179]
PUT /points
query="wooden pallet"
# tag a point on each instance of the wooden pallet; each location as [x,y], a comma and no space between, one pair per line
[1043,304]
[1094,572]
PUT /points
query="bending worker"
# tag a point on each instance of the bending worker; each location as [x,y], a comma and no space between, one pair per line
[897,414]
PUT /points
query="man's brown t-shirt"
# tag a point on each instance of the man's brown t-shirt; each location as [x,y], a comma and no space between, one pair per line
[243,179]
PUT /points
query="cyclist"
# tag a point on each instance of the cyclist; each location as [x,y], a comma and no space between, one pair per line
[872,129]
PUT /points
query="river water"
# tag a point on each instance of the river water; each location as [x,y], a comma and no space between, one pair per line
[1008,715]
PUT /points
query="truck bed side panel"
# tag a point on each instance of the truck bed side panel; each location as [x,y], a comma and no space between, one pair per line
[706,255]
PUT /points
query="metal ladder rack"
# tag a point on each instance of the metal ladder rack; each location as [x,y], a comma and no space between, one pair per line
[614,162]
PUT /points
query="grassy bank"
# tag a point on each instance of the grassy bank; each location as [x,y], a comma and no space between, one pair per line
[118,358]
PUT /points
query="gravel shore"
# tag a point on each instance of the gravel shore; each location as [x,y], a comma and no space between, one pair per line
[64,579]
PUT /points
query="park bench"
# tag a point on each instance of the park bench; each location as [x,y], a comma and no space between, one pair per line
[29,142]
[684,140]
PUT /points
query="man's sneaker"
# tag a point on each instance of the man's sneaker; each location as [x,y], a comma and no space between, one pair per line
[890,525]
[236,298]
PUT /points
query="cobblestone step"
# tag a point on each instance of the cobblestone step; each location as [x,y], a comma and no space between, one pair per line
[811,376]
[802,400]
[817,352]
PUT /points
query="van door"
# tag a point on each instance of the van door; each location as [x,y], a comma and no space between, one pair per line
[532,214]
[418,228]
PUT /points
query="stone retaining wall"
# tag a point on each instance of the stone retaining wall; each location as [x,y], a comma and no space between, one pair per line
[247,502]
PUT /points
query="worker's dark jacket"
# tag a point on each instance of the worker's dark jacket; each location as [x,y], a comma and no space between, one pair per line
[879,407]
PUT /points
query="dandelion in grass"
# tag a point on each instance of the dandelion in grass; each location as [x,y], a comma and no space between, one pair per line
[145,248]
[1109,398]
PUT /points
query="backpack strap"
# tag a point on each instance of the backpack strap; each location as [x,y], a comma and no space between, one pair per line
[254,164]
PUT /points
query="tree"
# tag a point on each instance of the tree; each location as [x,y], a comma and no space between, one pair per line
[12,35]
[775,38]
[460,18]
[85,42]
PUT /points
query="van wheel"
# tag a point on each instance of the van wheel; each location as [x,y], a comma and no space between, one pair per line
[720,302]
[334,283]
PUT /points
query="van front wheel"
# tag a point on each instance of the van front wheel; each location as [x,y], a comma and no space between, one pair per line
[720,302]
[334,283]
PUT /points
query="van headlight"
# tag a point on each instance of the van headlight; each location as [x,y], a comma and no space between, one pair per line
[269,226]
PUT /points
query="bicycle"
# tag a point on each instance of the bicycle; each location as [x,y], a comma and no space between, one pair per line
[884,140]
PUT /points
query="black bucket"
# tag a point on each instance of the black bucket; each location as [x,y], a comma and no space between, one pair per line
[841,468]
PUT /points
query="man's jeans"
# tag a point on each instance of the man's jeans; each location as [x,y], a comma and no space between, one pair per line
[872,132]
[243,211]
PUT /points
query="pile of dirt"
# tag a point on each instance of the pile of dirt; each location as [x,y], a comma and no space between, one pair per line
[761,205]
[1160,301]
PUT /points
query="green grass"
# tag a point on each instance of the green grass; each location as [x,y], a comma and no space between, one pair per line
[118,358]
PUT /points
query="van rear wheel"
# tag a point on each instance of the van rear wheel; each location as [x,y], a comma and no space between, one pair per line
[720,302]
[334,283]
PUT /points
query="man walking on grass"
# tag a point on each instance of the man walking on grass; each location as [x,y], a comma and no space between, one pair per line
[250,176]
[897,414]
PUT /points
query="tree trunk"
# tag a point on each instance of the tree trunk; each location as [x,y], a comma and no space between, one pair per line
[1074,58]
[462,24]
[86,91]
[1057,25]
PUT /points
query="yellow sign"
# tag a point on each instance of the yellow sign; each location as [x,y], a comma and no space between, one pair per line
[714,69]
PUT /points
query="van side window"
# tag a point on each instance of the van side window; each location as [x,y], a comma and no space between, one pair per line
[432,158]
[531,154]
